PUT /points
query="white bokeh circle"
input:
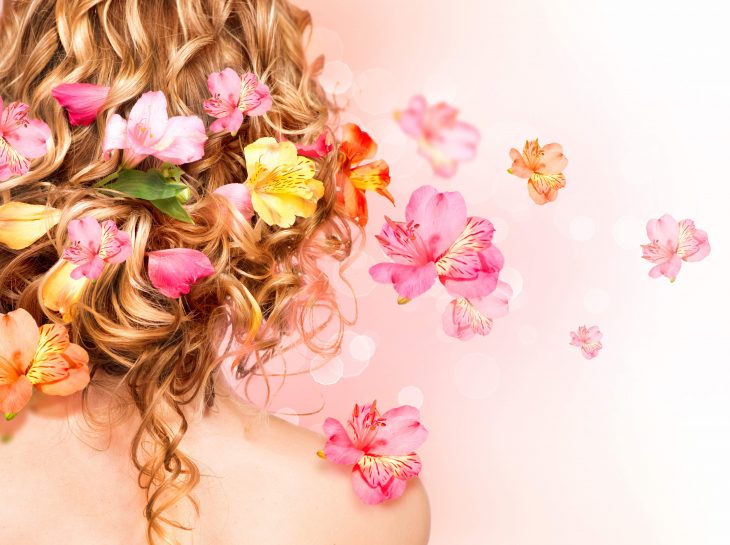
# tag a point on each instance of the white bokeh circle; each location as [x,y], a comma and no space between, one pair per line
[514,278]
[477,376]
[411,395]
[327,42]
[326,372]
[501,229]
[336,78]
[288,414]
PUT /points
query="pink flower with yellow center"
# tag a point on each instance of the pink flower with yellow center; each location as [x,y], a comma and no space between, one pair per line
[671,243]
[543,168]
[588,339]
[233,97]
[21,139]
[94,244]
[464,318]
[40,357]
[381,449]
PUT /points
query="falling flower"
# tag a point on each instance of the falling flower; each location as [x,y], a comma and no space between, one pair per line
[233,97]
[442,139]
[671,243]
[543,168]
[22,224]
[94,244]
[381,449]
[589,340]
[41,357]
[438,240]
[281,183]
[21,139]
[149,131]
[354,177]
[60,291]
[173,271]
[464,318]
[82,101]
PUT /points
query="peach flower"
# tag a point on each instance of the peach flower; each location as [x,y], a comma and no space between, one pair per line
[543,168]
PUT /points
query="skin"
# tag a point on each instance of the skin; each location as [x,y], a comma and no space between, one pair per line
[261,482]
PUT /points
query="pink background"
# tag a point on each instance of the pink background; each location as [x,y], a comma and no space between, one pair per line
[530,444]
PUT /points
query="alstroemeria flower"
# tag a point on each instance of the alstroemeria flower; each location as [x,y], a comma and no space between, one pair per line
[173,271]
[589,340]
[442,139]
[149,131]
[233,97]
[21,139]
[60,291]
[93,244]
[438,240]
[464,318]
[281,183]
[82,101]
[354,177]
[381,449]
[671,243]
[41,357]
[543,168]
[22,224]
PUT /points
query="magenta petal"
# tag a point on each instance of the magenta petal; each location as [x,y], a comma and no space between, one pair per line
[457,322]
[265,101]
[371,495]
[224,86]
[317,150]
[485,280]
[402,434]
[86,231]
[411,119]
[82,101]
[669,268]
[339,447]
[458,142]
[441,217]
[228,123]
[240,197]
[115,135]
[174,271]
[91,269]
[148,119]
[408,280]
[29,139]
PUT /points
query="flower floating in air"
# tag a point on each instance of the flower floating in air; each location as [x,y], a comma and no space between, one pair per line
[588,339]
[21,139]
[442,139]
[355,177]
[82,101]
[543,168]
[173,271]
[381,449]
[150,132]
[233,97]
[439,240]
[671,243]
[22,224]
[93,244]
[60,291]
[41,357]
[464,318]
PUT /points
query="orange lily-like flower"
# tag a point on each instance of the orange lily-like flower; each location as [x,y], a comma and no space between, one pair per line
[37,356]
[354,177]
[22,224]
[59,291]
[543,167]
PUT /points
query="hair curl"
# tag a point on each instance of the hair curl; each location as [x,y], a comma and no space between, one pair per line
[165,351]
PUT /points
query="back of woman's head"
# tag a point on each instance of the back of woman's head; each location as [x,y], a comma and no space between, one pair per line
[164,351]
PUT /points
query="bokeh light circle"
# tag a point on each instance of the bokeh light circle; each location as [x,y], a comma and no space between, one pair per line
[411,395]
[514,278]
[288,414]
[327,373]
[336,78]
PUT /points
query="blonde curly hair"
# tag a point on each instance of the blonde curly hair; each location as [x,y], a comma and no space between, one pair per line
[165,352]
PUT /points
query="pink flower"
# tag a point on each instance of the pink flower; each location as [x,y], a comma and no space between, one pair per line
[173,271]
[672,243]
[94,244]
[464,318]
[438,240]
[149,131]
[240,196]
[381,449]
[21,139]
[441,138]
[81,100]
[233,97]
[589,340]
[319,149]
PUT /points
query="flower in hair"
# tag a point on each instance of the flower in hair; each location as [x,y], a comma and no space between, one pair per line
[381,449]
[672,242]
[240,197]
[41,357]
[60,291]
[588,339]
[543,168]
[354,177]
[233,97]
[438,240]
[442,139]
[150,132]
[21,139]
[173,271]
[281,183]
[464,318]
[320,148]
[93,244]
[82,101]
[22,224]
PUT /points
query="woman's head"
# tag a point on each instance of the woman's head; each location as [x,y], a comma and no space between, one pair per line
[162,350]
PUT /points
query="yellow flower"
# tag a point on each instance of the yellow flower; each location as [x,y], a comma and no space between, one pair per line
[22,224]
[281,183]
[59,291]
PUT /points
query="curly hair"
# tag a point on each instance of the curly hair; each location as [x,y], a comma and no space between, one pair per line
[165,352]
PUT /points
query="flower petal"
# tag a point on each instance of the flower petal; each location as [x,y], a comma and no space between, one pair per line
[229,123]
[82,101]
[519,167]
[462,259]
[148,119]
[183,141]
[270,154]
[225,87]
[409,281]
[402,434]
[22,224]
[19,336]
[115,135]
[15,396]
[320,148]
[240,197]
[59,291]
[357,145]
[173,271]
[374,176]
[441,217]
[553,161]
[483,282]
[339,448]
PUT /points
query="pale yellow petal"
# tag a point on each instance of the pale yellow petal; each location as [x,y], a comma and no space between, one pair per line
[22,224]
[59,291]
[269,153]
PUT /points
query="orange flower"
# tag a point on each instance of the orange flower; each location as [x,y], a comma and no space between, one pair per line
[355,178]
[543,167]
[41,357]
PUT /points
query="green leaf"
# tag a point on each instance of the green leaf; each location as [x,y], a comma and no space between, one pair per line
[148,186]
[172,207]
